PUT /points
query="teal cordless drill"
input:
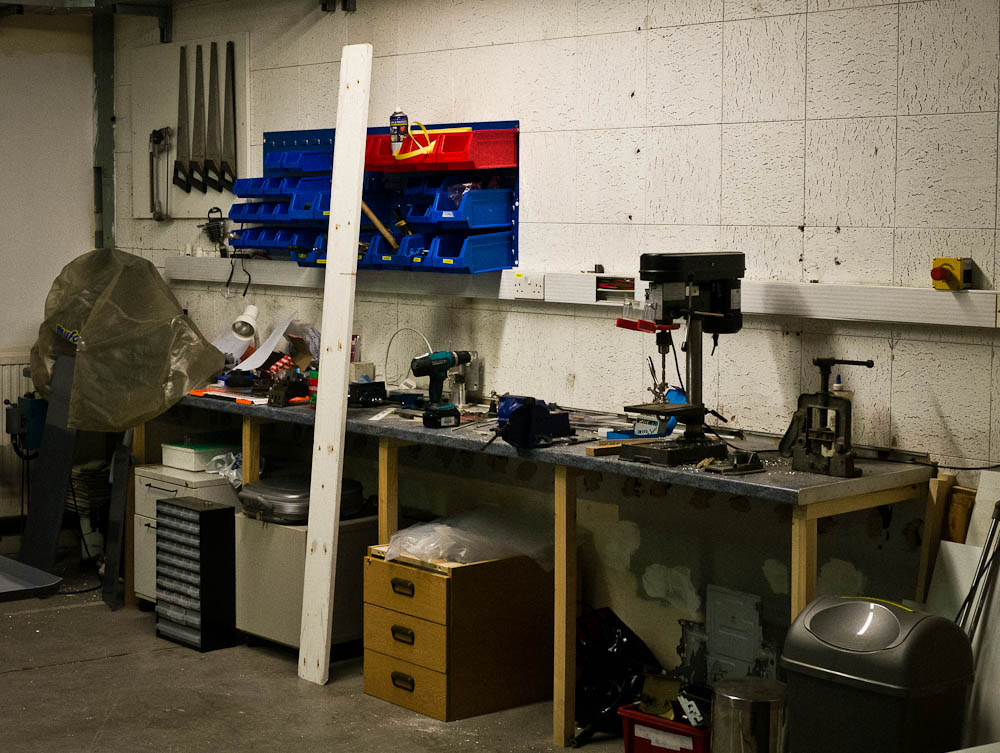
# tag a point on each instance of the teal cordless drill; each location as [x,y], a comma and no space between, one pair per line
[435,365]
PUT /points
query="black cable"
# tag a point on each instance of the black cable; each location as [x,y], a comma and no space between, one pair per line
[981,567]
[243,264]
[677,363]
[967,603]
[929,464]
[232,269]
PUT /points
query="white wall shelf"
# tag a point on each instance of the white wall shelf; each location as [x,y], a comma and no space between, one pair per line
[861,303]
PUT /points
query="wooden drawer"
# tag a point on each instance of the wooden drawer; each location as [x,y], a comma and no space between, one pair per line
[403,636]
[405,684]
[407,589]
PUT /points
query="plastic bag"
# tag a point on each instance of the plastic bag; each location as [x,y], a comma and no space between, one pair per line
[480,534]
[228,465]
[136,351]
[611,664]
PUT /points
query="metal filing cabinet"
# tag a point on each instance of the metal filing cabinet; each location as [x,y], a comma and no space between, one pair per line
[270,570]
[453,640]
[195,570]
[153,482]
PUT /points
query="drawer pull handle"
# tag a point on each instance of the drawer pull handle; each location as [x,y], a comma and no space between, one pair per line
[402,634]
[161,489]
[403,682]
[402,587]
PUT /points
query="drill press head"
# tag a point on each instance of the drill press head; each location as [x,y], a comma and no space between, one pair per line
[702,286]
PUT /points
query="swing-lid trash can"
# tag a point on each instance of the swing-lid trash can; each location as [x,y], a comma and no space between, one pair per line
[869,675]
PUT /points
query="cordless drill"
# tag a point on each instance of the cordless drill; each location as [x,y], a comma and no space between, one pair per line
[435,365]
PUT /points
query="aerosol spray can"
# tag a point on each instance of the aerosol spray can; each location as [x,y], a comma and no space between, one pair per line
[399,129]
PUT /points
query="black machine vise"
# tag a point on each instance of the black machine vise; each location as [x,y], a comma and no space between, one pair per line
[819,437]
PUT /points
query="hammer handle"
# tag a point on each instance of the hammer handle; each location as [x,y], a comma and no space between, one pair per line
[379,226]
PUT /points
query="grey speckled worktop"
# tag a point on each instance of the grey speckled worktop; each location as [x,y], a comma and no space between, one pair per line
[778,482]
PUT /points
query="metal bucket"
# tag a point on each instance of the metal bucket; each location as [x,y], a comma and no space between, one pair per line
[748,716]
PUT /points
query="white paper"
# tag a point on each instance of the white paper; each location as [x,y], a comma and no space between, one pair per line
[257,359]
[228,342]
[953,573]
[663,740]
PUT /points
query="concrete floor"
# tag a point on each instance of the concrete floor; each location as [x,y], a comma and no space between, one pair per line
[75,676]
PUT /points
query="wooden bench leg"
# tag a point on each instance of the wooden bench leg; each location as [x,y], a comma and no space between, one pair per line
[803,560]
[564,676]
[388,488]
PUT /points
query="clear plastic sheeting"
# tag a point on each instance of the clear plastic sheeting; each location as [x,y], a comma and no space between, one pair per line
[136,351]
[480,534]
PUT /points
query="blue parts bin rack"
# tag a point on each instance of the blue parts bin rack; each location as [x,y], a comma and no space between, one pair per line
[447,215]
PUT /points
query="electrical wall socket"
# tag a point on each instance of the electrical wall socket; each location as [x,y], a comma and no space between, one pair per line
[528,286]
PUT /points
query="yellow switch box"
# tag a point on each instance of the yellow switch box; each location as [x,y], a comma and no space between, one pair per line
[952,273]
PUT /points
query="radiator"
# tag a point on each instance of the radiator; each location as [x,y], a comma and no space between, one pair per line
[13,384]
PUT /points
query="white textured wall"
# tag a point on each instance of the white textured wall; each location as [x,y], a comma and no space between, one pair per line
[46,158]
[826,141]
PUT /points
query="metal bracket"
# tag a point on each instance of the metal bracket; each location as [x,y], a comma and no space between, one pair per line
[163,13]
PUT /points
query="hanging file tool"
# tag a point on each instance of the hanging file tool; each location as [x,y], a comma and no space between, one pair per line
[198,139]
[213,159]
[227,169]
[182,178]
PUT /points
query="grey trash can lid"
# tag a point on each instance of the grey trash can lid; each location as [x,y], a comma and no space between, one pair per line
[751,689]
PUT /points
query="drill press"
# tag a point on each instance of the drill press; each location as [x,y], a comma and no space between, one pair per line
[438,414]
[703,289]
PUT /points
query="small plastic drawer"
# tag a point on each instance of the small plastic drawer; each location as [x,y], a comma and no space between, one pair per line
[472,254]
[477,209]
[298,162]
[416,245]
[257,188]
[308,207]
[259,212]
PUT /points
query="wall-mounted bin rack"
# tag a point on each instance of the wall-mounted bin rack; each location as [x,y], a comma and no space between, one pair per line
[452,208]
[478,149]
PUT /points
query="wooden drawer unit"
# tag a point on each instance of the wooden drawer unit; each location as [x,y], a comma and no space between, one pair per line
[454,640]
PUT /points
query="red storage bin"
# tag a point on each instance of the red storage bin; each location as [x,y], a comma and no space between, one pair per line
[465,150]
[645,733]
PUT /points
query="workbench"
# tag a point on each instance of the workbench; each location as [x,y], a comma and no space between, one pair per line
[811,497]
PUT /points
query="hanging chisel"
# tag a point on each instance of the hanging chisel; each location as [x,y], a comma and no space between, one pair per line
[227,169]
[198,139]
[213,158]
[182,178]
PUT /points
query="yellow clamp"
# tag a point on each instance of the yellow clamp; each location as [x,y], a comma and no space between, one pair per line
[429,145]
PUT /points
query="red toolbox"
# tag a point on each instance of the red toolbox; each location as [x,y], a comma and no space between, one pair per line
[645,733]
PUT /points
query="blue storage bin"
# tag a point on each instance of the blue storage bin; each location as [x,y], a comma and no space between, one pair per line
[409,246]
[488,252]
[477,209]
[308,207]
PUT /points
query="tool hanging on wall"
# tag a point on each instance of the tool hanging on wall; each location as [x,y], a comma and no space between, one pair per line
[215,228]
[213,156]
[819,437]
[227,168]
[198,139]
[182,159]
[159,145]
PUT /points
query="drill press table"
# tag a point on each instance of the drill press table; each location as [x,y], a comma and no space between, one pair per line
[811,497]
